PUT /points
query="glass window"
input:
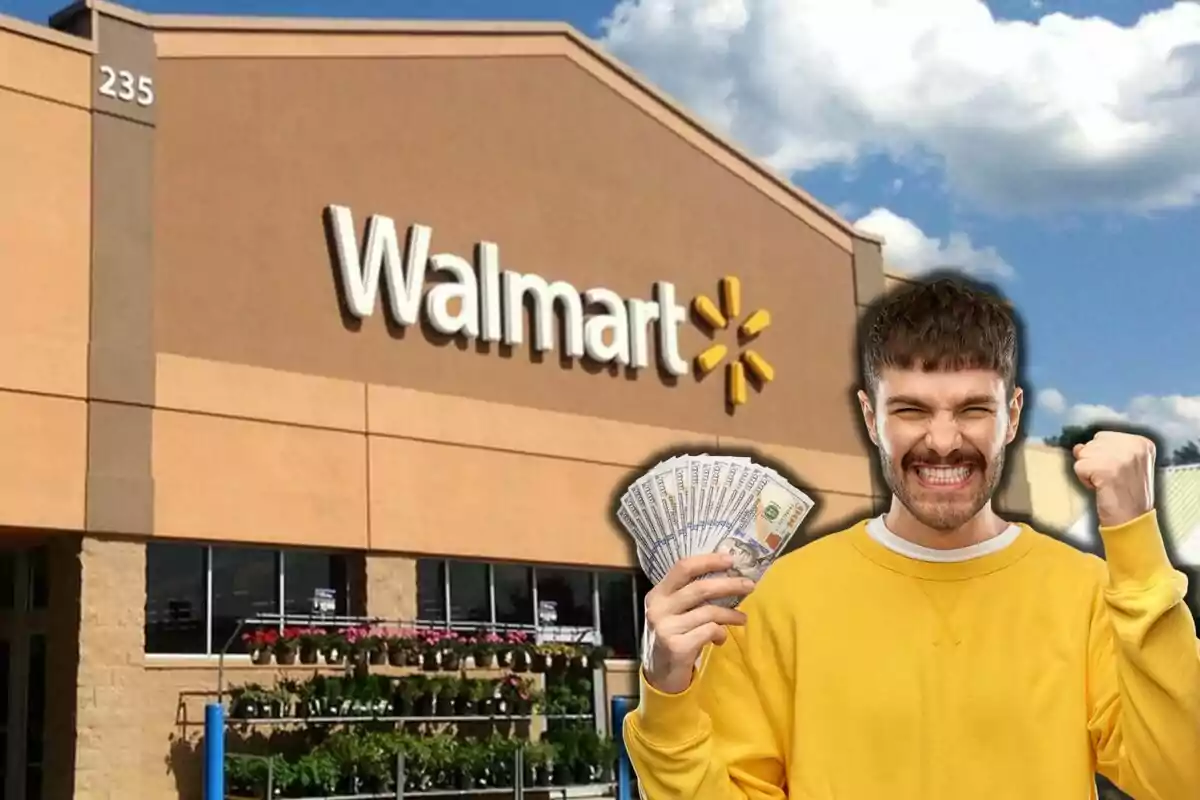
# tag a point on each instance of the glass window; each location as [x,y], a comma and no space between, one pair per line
[176,587]
[35,724]
[514,594]
[431,589]
[306,571]
[617,623]
[245,583]
[639,609]
[470,595]
[566,596]
[39,578]
[8,580]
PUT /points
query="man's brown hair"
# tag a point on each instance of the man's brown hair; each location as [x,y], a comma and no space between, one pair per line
[947,323]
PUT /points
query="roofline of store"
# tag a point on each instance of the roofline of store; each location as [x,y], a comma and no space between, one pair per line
[174,23]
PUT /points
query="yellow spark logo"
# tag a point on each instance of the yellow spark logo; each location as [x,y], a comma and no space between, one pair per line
[720,319]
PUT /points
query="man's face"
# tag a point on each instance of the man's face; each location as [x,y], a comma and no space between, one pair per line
[941,439]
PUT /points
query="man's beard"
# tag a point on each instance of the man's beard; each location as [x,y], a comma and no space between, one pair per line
[943,514]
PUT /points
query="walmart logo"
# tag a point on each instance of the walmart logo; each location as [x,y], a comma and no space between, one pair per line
[718,319]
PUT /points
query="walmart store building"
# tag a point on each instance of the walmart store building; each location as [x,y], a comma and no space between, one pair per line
[202,419]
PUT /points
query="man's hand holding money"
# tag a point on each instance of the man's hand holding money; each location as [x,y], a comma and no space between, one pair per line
[681,618]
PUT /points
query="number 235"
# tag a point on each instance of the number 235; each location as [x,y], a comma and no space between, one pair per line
[125,86]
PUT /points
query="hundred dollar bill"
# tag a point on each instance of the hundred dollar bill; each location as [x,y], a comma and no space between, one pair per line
[763,528]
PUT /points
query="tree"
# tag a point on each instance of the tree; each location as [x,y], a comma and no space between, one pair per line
[1188,454]
[1071,435]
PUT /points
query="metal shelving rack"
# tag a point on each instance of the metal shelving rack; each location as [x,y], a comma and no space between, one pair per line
[517,790]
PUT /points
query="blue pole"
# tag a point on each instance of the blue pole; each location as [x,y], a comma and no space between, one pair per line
[620,707]
[214,752]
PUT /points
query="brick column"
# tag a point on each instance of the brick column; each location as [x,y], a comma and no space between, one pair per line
[391,586]
[109,750]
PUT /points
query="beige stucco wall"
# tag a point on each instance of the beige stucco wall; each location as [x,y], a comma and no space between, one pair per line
[45,236]
[1058,500]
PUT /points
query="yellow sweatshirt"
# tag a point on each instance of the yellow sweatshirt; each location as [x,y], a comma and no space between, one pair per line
[862,674]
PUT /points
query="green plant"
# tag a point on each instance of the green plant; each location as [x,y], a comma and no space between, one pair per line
[246,776]
[605,758]
[315,773]
[361,757]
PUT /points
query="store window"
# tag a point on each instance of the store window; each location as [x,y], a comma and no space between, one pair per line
[176,599]
[245,583]
[431,590]
[565,598]
[8,581]
[309,573]
[196,594]
[470,593]
[514,594]
[618,622]
[568,604]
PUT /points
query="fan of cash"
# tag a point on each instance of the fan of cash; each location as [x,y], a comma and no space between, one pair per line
[690,505]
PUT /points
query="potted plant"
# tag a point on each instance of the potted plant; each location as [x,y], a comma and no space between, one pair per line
[484,649]
[334,703]
[418,770]
[426,690]
[489,698]
[465,697]
[586,756]
[310,640]
[517,651]
[560,656]
[407,690]
[334,648]
[469,760]
[429,645]
[246,776]
[356,647]
[312,774]
[250,701]
[287,646]
[590,657]
[260,644]
[565,752]
[537,760]
[517,694]
[540,657]
[452,650]
[375,644]
[443,750]
[605,760]
[502,762]
[400,647]
[446,689]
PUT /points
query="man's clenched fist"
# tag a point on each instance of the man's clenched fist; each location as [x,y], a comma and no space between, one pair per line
[1119,468]
[680,621]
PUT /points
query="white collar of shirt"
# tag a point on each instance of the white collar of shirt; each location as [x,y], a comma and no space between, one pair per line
[878,530]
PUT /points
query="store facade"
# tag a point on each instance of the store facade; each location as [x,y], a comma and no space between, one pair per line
[210,410]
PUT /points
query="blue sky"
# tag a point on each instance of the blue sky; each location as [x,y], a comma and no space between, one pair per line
[1042,144]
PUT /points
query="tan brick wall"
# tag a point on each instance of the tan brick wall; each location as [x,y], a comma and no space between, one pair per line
[111,709]
[391,586]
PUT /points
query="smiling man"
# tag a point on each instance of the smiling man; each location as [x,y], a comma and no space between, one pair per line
[937,652]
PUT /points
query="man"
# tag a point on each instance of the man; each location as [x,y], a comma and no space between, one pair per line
[937,652]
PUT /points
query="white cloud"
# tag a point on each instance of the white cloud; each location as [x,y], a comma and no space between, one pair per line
[1176,418]
[1061,113]
[909,249]
[1052,400]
